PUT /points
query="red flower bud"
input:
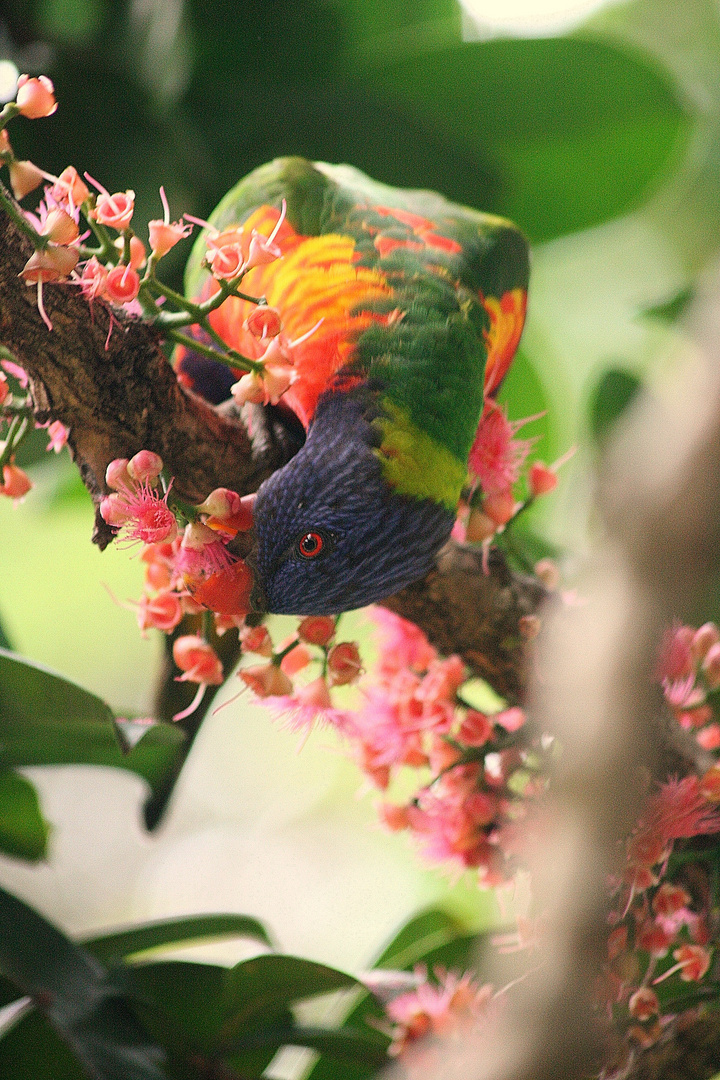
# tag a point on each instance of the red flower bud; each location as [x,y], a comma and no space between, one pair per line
[344,664]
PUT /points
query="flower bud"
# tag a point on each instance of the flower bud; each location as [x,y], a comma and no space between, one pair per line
[643,1004]
[703,638]
[548,573]
[137,250]
[117,475]
[35,97]
[24,178]
[256,639]
[49,264]
[60,227]
[479,527]
[145,466]
[4,388]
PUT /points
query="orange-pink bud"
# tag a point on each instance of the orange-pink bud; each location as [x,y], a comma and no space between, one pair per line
[121,285]
[475,729]
[117,475]
[221,503]
[24,178]
[137,250]
[115,511]
[393,816]
[344,663]
[49,264]
[499,507]
[261,251]
[541,479]
[266,680]
[249,389]
[145,466]
[297,659]
[35,97]
[16,483]
[669,899]
[4,388]
[316,629]
[197,660]
[114,210]
[710,784]
[60,227]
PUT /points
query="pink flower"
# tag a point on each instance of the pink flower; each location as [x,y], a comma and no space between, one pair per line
[69,188]
[116,210]
[670,899]
[496,457]
[256,639]
[141,513]
[201,553]
[16,483]
[402,643]
[344,663]
[52,263]
[58,436]
[452,1005]
[60,227]
[145,467]
[266,680]
[16,371]
[4,388]
[122,284]
[161,612]
[93,278]
[643,1004]
[35,97]
[197,660]
[164,234]
[317,629]
[693,962]
[676,660]
[541,479]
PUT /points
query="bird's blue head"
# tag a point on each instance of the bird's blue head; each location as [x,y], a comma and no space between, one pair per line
[331,533]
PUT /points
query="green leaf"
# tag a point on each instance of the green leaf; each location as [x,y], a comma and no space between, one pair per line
[614,393]
[575,129]
[47,720]
[4,639]
[423,933]
[33,1050]
[23,829]
[673,309]
[111,948]
[75,995]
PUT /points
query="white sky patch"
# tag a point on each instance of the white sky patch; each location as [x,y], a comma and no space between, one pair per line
[526,18]
[8,80]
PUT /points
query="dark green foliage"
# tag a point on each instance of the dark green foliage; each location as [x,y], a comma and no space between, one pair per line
[614,393]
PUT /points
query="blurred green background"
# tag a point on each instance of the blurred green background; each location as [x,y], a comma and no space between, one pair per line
[603,145]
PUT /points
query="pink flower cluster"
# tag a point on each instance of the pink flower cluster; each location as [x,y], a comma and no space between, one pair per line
[663,915]
[15,481]
[689,672]
[447,1005]
[496,462]
[411,715]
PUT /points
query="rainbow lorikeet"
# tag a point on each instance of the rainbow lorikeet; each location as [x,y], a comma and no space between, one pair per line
[422,305]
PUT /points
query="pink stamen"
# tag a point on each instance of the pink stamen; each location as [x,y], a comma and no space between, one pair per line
[202,687]
[280,220]
[166,207]
[41,307]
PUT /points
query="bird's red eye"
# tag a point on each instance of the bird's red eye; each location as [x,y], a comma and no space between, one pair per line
[310,545]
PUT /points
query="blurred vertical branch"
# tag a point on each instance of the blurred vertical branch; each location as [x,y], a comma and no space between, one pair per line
[659,497]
